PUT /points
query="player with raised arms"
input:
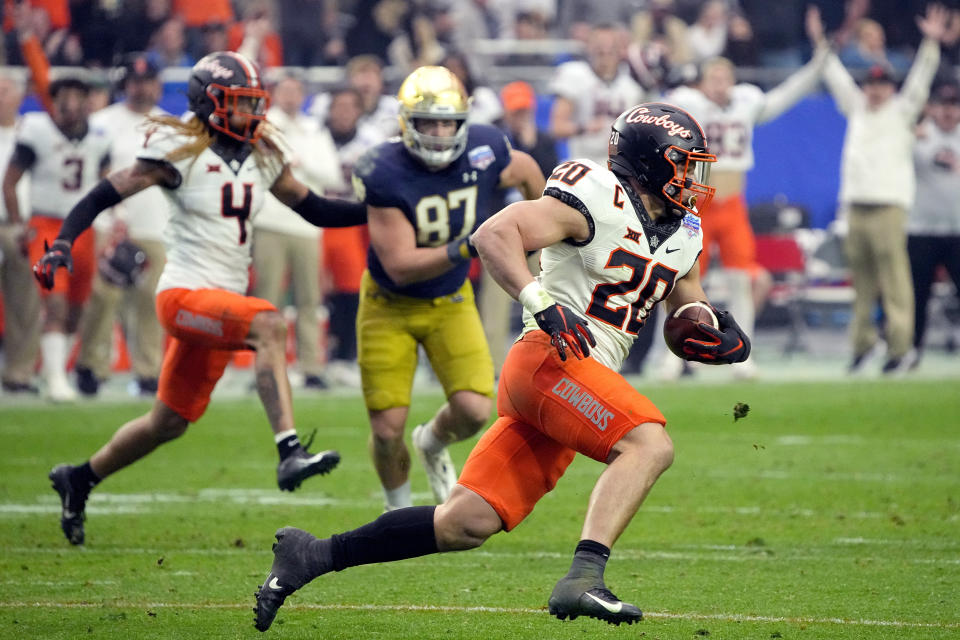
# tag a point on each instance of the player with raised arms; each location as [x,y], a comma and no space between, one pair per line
[615,242]
[426,192]
[214,167]
[729,112]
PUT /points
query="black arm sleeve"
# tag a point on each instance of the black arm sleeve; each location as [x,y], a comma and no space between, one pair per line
[80,218]
[23,156]
[327,212]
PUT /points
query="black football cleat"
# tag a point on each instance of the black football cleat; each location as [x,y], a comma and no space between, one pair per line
[87,383]
[574,597]
[301,464]
[72,501]
[289,571]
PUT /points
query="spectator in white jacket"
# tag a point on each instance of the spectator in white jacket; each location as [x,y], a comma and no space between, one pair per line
[286,248]
[877,189]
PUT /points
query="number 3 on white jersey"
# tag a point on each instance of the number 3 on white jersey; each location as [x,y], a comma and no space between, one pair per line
[433,216]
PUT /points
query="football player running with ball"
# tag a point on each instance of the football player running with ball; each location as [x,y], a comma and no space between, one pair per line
[426,192]
[615,242]
[214,168]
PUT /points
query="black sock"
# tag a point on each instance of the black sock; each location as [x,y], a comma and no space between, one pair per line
[287,446]
[84,477]
[589,560]
[396,535]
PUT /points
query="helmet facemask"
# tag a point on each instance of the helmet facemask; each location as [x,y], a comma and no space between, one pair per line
[434,151]
[249,103]
[688,189]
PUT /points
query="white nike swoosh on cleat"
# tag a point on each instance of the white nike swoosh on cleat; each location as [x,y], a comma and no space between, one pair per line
[606,605]
[275,584]
[68,514]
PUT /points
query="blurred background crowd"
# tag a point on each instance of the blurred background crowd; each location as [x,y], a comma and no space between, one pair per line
[660,36]
[333,66]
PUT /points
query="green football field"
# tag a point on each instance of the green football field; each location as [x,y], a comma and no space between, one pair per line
[830,511]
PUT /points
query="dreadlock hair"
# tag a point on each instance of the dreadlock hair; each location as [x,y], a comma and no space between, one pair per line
[267,151]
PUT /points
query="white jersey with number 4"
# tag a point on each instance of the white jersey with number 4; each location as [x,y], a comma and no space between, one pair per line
[208,235]
[64,170]
[626,266]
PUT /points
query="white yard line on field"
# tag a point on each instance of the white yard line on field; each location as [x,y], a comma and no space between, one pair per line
[667,615]
[134,503]
[700,553]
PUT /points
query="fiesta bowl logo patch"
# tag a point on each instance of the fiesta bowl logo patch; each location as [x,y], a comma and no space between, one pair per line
[481,157]
[692,224]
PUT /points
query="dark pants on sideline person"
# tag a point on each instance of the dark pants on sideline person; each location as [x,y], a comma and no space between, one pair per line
[926,254]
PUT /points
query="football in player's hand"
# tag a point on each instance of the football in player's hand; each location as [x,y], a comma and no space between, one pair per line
[682,324]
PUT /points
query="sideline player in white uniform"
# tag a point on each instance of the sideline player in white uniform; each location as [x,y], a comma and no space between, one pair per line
[729,112]
[592,92]
[615,243]
[144,217]
[65,157]
[214,168]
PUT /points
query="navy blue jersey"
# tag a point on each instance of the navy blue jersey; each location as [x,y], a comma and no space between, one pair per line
[442,206]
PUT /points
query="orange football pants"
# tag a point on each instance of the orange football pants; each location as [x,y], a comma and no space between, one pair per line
[78,285]
[345,256]
[205,327]
[549,410]
[726,224]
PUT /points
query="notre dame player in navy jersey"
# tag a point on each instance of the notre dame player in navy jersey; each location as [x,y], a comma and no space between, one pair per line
[441,205]
[425,193]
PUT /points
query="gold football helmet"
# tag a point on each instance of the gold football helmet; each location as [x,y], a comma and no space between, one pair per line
[433,93]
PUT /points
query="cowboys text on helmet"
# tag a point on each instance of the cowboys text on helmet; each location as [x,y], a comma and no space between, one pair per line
[664,149]
[226,93]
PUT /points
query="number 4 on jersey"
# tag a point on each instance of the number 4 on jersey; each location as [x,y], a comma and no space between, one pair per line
[241,213]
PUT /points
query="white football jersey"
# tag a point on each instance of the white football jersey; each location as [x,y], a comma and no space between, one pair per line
[627,266]
[208,236]
[592,97]
[729,129]
[64,169]
[145,213]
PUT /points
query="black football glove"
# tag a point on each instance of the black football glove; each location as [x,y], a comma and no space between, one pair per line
[54,257]
[566,329]
[726,345]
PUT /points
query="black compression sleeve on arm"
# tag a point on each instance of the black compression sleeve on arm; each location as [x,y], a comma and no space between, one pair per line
[80,218]
[23,156]
[327,212]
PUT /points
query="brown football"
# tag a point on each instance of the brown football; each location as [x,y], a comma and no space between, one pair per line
[682,324]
